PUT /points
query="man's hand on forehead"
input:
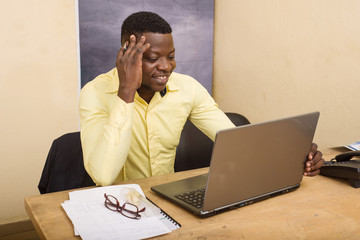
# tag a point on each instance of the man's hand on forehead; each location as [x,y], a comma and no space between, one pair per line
[129,67]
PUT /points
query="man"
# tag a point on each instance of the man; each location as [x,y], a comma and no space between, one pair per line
[132,117]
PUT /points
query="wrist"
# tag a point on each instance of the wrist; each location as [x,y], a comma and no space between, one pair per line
[126,94]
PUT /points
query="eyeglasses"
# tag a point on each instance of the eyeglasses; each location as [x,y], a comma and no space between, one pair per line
[128,210]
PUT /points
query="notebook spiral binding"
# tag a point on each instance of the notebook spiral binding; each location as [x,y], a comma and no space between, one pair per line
[170,218]
[167,216]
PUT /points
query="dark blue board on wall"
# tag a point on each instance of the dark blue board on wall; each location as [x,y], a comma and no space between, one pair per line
[191,21]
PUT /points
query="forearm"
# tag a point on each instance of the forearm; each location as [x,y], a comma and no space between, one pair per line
[105,159]
[210,121]
[105,140]
[206,115]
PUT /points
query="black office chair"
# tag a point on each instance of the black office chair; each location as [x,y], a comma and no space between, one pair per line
[64,166]
[195,148]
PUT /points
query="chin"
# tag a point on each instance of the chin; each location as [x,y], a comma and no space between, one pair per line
[155,88]
[158,88]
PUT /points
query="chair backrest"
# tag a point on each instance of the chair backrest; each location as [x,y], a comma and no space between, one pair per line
[195,148]
[64,166]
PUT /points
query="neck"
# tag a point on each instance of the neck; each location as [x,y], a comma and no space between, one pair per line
[146,95]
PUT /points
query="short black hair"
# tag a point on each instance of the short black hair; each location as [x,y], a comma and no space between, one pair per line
[143,22]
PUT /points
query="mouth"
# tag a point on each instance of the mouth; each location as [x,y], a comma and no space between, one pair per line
[161,79]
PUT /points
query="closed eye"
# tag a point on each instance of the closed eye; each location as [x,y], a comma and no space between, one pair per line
[150,59]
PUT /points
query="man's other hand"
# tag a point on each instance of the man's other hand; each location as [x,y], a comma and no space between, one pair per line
[314,162]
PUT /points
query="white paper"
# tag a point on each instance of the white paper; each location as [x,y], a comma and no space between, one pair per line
[354,146]
[92,220]
[97,193]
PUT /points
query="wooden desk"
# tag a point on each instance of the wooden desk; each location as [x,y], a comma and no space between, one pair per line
[322,208]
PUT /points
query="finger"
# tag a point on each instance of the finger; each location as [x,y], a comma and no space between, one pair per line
[317,157]
[144,46]
[308,166]
[140,51]
[131,44]
[313,151]
[318,164]
[125,47]
[313,167]
[141,47]
[313,173]
[122,50]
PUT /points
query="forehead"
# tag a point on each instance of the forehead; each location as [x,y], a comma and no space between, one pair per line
[160,42]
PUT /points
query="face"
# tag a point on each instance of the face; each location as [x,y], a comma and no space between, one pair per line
[158,63]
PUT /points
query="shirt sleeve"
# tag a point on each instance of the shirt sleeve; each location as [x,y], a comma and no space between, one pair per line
[105,122]
[205,114]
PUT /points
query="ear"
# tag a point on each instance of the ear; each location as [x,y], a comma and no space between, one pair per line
[124,38]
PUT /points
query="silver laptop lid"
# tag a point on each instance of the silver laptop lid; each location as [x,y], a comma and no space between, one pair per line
[273,155]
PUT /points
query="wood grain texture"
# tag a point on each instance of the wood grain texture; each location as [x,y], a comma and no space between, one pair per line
[322,208]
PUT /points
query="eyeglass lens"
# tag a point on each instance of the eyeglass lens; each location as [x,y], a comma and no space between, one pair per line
[127,209]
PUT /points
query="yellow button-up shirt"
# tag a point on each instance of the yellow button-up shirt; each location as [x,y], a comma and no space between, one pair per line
[124,141]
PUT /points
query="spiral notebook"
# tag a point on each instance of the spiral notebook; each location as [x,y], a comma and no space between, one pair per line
[92,220]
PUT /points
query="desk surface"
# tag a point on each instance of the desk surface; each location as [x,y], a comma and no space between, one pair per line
[322,208]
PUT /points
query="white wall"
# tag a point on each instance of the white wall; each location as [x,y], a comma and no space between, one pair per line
[281,58]
[38,93]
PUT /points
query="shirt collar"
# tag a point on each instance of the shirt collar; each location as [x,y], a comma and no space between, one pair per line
[113,87]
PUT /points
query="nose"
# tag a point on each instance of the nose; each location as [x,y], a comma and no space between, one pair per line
[164,64]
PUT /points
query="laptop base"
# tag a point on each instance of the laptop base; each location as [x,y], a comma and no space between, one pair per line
[159,189]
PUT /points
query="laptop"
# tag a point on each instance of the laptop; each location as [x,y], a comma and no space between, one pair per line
[249,163]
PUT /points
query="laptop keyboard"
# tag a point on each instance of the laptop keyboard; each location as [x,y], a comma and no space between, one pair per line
[194,198]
